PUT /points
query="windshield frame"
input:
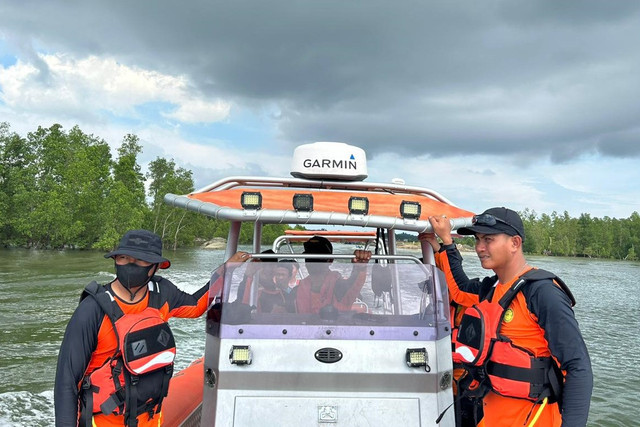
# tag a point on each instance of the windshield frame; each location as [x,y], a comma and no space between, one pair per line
[420,324]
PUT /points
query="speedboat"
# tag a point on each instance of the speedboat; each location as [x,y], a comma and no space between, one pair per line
[382,356]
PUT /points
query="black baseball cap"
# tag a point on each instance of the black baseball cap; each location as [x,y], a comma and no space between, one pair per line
[318,245]
[496,221]
[143,245]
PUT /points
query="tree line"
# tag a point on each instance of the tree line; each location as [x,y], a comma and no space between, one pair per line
[63,189]
[562,235]
[585,236]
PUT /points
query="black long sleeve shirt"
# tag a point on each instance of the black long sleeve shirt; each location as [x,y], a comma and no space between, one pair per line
[81,341]
[552,308]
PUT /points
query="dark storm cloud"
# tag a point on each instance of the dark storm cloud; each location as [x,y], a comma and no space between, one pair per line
[621,144]
[545,78]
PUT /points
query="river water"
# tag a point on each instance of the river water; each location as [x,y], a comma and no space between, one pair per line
[40,289]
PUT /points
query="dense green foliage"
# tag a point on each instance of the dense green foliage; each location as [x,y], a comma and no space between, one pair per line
[64,190]
[561,235]
[585,236]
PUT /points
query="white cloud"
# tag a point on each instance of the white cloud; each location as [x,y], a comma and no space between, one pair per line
[200,111]
[66,86]
[209,154]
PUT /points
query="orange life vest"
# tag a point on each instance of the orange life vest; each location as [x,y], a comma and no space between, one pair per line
[495,362]
[136,378]
[308,301]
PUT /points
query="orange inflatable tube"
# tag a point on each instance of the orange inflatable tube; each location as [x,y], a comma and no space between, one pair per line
[185,394]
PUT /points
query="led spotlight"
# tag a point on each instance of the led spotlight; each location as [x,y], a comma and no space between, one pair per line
[303,202]
[251,200]
[240,355]
[358,205]
[410,210]
[416,357]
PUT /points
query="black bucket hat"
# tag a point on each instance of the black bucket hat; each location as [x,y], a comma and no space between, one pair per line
[496,221]
[143,245]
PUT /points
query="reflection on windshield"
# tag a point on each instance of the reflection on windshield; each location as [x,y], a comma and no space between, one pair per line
[403,293]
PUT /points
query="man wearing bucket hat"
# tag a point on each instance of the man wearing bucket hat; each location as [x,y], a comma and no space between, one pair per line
[117,353]
[520,340]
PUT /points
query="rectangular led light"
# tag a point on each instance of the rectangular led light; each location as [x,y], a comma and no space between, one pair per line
[303,202]
[410,210]
[358,205]
[240,355]
[251,200]
[416,357]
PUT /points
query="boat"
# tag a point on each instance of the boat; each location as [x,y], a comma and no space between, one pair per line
[385,359]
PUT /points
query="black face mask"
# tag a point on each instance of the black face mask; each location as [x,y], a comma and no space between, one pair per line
[132,275]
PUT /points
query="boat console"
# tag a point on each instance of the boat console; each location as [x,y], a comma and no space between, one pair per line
[351,344]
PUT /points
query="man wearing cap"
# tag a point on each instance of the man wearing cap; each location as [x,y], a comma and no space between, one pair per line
[535,326]
[324,287]
[90,344]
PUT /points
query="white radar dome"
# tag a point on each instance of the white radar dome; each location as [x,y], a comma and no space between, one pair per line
[329,160]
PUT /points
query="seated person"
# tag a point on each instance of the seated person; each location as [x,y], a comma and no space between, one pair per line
[284,273]
[295,273]
[256,278]
[273,297]
[323,286]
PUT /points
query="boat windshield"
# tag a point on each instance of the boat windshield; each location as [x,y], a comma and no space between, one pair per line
[399,299]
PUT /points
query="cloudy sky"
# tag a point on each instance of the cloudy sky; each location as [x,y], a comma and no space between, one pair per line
[521,103]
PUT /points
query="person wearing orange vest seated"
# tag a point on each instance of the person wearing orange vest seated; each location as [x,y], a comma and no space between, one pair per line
[521,340]
[325,288]
[256,276]
[283,274]
[116,357]
[273,296]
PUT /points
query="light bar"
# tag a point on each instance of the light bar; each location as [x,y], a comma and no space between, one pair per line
[251,200]
[410,210]
[416,357]
[240,355]
[303,202]
[358,205]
